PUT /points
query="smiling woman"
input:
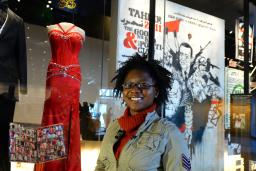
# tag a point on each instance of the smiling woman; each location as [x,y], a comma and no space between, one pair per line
[139,91]
[141,139]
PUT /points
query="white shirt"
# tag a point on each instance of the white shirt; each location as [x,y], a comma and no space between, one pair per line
[1,29]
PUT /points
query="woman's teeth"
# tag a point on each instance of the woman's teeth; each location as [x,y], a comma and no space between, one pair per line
[136,98]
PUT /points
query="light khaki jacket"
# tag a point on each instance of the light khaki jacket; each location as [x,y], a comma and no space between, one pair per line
[157,145]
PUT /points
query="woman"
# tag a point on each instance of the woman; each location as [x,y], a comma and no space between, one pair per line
[141,139]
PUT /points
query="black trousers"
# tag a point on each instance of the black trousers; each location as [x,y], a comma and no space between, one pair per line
[7,106]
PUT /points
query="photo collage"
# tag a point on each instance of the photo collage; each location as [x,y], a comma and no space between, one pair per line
[36,145]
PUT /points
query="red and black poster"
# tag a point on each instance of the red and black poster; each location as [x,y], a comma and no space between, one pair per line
[190,44]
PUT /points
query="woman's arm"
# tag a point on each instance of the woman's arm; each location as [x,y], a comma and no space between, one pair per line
[176,156]
[103,162]
[100,164]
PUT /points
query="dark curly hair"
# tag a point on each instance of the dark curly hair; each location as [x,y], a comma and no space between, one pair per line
[161,76]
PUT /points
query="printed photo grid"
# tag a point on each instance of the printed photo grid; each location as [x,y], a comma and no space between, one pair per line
[36,145]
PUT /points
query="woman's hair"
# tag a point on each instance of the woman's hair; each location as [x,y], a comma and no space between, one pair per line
[161,76]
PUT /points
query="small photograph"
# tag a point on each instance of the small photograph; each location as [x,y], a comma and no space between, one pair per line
[58,133]
[42,158]
[51,130]
[239,120]
[39,133]
[12,126]
[13,157]
[234,149]
[60,127]
[252,166]
[44,137]
[12,142]
[11,133]
[44,131]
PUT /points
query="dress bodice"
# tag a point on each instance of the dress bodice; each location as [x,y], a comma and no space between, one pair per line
[65,45]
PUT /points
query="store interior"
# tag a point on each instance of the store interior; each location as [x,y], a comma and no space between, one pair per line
[97,104]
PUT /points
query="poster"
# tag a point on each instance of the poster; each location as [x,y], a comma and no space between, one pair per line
[133,28]
[239,31]
[234,85]
[240,114]
[194,53]
[190,44]
[253,117]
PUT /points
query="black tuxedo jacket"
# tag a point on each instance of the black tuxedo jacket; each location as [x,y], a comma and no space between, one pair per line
[13,58]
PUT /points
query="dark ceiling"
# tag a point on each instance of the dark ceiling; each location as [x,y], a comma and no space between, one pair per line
[94,15]
[89,11]
[90,14]
[228,10]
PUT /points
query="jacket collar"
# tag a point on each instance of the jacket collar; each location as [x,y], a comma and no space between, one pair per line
[150,118]
[10,16]
[4,24]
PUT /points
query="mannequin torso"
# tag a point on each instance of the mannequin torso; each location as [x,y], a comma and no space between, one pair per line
[66,27]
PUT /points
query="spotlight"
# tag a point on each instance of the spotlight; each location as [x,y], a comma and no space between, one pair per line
[47,6]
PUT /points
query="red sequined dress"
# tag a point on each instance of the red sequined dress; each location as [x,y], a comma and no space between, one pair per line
[62,96]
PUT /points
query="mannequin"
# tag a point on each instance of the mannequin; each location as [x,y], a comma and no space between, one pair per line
[13,70]
[3,12]
[62,92]
[13,66]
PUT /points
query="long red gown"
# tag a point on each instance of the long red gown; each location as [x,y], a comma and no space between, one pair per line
[62,96]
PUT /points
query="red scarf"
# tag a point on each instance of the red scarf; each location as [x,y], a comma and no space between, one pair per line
[130,124]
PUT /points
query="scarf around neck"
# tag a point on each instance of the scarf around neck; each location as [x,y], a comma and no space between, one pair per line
[130,124]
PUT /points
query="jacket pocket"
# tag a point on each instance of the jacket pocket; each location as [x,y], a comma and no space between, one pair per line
[149,141]
[106,163]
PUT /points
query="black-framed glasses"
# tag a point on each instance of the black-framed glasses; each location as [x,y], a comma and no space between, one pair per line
[141,86]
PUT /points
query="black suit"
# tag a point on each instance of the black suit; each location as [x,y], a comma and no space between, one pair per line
[13,70]
[13,58]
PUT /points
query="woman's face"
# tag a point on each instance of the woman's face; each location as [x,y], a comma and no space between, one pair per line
[139,91]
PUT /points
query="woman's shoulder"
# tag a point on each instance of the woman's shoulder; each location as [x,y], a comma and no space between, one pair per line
[168,126]
[164,122]
[113,125]
[170,130]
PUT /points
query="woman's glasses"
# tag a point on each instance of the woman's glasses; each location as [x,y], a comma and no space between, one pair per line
[141,86]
